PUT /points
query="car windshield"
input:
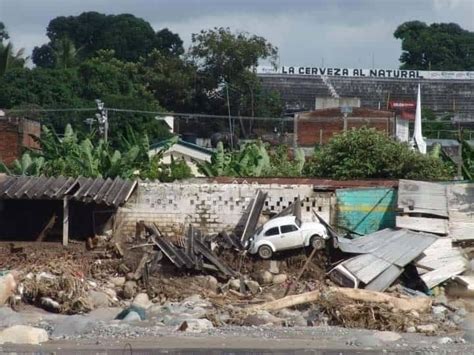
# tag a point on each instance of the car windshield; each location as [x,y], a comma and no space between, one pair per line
[259,230]
[298,222]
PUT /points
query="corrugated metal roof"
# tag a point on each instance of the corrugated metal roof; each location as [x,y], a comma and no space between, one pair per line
[88,190]
[384,254]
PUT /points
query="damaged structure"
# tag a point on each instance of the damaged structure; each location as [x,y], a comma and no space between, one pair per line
[38,207]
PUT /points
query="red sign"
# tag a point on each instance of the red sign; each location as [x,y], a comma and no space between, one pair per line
[402,105]
[403,109]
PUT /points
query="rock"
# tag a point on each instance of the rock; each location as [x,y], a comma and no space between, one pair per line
[427,328]
[439,312]
[118,281]
[209,282]
[263,277]
[142,300]
[138,310]
[279,279]
[387,336]
[468,327]
[461,312]
[50,304]
[411,330]
[262,318]
[98,299]
[195,325]
[234,284]
[445,340]
[8,286]
[23,334]
[129,289]
[132,316]
[274,269]
[253,286]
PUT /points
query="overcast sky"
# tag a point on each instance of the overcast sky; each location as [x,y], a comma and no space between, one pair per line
[336,33]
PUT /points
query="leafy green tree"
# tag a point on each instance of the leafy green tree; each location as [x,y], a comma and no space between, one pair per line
[170,79]
[226,63]
[128,36]
[366,153]
[44,56]
[3,32]
[169,43]
[439,46]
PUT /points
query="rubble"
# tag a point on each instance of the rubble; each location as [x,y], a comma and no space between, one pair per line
[195,282]
[22,334]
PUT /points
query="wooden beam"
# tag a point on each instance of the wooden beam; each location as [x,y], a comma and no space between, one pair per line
[65,221]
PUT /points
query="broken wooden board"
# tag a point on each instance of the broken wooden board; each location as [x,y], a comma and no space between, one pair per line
[423,224]
[442,260]
[423,197]
[461,212]
[253,216]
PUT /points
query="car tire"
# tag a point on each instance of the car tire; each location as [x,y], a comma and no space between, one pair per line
[265,252]
[317,242]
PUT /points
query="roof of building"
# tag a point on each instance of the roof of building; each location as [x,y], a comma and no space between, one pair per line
[443,142]
[357,112]
[88,190]
[187,144]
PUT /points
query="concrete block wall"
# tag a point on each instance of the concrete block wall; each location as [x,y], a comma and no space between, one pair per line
[213,207]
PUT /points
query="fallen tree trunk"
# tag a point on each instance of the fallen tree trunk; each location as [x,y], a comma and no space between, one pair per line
[287,301]
[419,304]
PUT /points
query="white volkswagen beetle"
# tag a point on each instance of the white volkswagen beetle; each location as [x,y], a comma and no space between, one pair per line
[283,233]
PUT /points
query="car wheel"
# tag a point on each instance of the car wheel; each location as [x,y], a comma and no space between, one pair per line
[265,252]
[317,242]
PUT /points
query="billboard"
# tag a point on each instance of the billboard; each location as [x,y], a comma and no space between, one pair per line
[369,73]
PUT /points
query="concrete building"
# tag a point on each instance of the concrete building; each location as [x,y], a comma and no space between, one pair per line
[317,127]
[190,152]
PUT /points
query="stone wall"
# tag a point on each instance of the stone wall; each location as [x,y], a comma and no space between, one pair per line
[213,207]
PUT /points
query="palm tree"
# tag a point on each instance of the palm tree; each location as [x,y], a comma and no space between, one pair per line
[9,59]
[66,53]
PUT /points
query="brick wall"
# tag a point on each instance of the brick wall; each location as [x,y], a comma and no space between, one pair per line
[213,207]
[320,130]
[15,134]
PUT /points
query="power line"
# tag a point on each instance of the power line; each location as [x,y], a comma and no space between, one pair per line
[159,113]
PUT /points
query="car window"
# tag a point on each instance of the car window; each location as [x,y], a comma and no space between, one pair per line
[288,228]
[298,222]
[272,231]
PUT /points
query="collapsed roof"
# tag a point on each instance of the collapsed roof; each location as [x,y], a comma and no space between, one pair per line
[110,192]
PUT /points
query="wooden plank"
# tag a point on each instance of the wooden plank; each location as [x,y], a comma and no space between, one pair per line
[65,221]
[423,224]
[423,197]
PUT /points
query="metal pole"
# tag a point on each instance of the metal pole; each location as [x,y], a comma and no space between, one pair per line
[106,126]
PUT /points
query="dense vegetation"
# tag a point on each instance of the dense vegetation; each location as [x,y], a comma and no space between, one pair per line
[71,156]
[439,46]
[367,153]
[123,61]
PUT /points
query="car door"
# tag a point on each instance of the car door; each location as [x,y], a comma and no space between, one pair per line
[273,235]
[290,237]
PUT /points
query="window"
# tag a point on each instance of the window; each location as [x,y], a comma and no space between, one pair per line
[298,222]
[288,228]
[272,231]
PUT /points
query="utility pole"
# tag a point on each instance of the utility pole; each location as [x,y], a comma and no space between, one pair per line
[103,119]
[230,118]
